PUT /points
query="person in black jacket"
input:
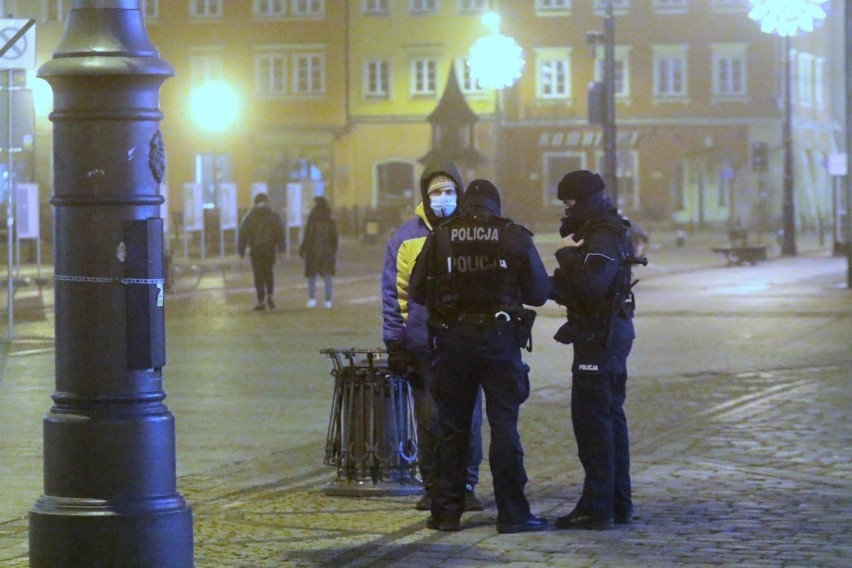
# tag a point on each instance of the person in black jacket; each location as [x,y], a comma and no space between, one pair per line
[474,275]
[319,250]
[593,282]
[262,232]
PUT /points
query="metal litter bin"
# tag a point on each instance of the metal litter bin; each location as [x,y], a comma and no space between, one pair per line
[372,430]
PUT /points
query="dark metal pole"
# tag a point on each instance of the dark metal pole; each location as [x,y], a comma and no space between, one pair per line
[788,246]
[609,135]
[848,179]
[110,488]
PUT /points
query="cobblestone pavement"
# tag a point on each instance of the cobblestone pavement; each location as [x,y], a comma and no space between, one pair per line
[743,464]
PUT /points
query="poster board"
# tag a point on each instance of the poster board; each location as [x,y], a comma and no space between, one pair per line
[227,203]
[27,211]
[193,208]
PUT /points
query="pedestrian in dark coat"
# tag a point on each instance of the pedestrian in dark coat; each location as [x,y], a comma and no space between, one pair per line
[319,249]
[262,232]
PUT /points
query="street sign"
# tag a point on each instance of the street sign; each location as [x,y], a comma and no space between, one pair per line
[21,33]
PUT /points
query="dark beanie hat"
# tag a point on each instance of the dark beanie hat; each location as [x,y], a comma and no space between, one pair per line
[482,193]
[260,198]
[579,185]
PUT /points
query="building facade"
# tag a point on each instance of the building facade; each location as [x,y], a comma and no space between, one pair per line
[337,93]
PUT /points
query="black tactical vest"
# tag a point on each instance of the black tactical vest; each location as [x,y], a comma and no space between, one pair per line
[472,268]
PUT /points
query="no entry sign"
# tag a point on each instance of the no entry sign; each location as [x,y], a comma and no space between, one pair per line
[17,44]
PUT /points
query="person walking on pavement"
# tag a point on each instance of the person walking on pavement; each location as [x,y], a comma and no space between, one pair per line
[474,275]
[319,250]
[593,282]
[404,325]
[262,232]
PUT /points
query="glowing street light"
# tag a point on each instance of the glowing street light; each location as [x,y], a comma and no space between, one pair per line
[787,18]
[495,60]
[214,106]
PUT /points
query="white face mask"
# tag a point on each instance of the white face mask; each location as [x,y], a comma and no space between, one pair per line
[442,205]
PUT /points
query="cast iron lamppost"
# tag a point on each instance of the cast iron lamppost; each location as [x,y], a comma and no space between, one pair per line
[110,490]
[496,62]
[786,18]
[610,162]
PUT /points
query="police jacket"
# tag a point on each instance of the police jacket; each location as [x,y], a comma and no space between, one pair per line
[478,263]
[588,278]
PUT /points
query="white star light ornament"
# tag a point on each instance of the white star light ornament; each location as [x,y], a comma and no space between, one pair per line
[495,61]
[786,17]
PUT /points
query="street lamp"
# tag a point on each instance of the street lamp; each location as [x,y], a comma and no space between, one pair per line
[214,107]
[607,38]
[786,18]
[496,62]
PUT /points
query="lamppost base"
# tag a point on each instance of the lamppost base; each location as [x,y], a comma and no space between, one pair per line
[90,532]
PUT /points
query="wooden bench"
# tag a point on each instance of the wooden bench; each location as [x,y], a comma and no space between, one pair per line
[740,252]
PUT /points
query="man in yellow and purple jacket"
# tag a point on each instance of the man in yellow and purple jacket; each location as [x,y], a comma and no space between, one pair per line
[404,327]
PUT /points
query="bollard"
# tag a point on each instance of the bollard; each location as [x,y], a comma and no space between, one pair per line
[372,431]
[110,495]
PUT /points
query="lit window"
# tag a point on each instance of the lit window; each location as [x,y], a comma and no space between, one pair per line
[468,84]
[618,6]
[730,5]
[621,68]
[423,73]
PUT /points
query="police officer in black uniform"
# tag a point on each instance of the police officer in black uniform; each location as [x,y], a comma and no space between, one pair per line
[475,273]
[593,282]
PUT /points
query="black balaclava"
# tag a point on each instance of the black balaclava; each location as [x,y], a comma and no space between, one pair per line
[482,194]
[587,190]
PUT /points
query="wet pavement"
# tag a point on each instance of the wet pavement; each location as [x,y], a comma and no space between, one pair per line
[738,405]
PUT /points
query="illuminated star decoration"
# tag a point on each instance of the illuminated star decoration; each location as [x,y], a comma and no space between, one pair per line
[786,17]
[495,60]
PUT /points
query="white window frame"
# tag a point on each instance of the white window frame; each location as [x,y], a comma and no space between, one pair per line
[308,73]
[375,8]
[466,82]
[618,7]
[377,79]
[552,6]
[423,7]
[804,79]
[424,73]
[729,6]
[670,6]
[732,55]
[819,78]
[269,8]
[622,68]
[207,9]
[271,73]
[553,73]
[205,65]
[307,8]
[670,67]
[472,6]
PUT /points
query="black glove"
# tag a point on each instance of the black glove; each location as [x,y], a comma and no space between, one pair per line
[399,360]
